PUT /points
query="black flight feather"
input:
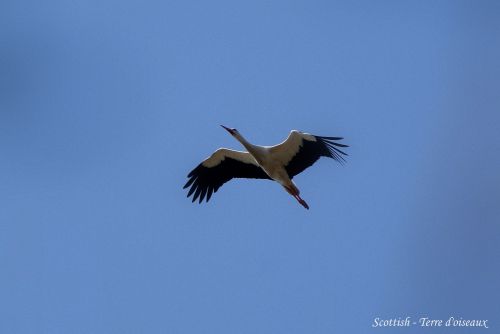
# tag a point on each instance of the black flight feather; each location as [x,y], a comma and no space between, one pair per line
[205,181]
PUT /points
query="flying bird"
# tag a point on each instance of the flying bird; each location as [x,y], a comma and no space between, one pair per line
[279,163]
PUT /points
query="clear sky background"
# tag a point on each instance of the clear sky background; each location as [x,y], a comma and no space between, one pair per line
[105,106]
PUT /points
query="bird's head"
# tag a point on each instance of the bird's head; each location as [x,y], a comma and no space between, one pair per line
[233,132]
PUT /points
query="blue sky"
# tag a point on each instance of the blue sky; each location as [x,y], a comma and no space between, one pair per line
[105,106]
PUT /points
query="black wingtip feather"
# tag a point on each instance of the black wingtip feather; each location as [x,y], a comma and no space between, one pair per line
[332,147]
[331,138]
[195,170]
[193,188]
[188,183]
[197,193]
[202,195]
[210,192]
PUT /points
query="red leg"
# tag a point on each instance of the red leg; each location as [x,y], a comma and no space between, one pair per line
[295,194]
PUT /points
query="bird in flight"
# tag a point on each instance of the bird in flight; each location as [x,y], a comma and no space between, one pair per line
[279,163]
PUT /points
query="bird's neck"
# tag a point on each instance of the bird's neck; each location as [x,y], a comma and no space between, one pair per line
[252,149]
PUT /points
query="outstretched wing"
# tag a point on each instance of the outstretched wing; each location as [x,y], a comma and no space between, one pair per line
[301,150]
[220,167]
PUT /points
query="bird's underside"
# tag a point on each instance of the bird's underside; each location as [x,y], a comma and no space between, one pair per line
[279,163]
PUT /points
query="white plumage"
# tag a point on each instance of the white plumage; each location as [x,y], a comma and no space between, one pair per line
[279,163]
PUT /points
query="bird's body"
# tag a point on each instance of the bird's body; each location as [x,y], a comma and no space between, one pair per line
[279,163]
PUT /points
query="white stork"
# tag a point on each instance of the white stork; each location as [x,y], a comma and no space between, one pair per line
[279,163]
